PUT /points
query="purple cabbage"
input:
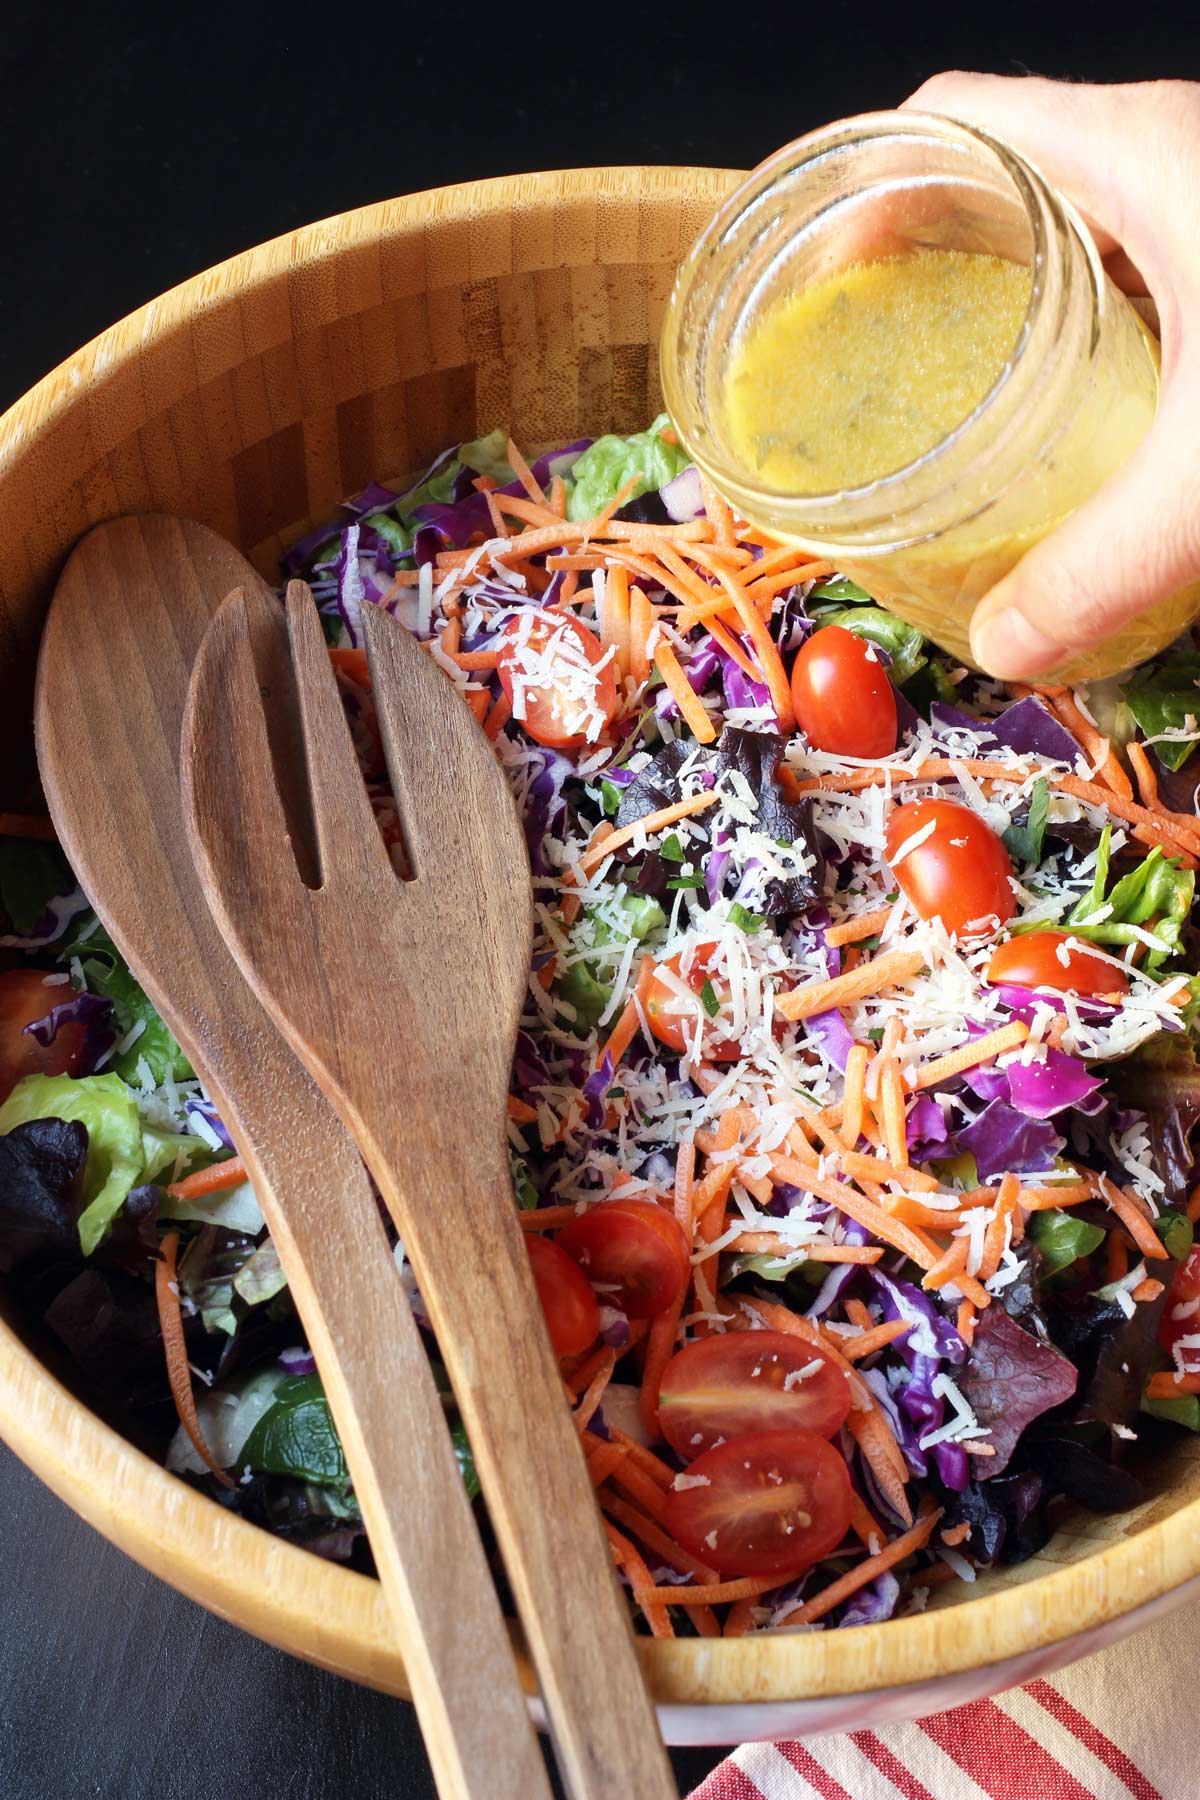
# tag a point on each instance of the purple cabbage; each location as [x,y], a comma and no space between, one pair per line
[614,1328]
[205,1110]
[1026,726]
[927,1132]
[1002,1139]
[874,1603]
[595,1090]
[833,1035]
[93,1011]
[740,691]
[544,810]
[1040,1089]
[298,1361]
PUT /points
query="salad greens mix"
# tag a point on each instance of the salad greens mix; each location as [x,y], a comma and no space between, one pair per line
[852,1108]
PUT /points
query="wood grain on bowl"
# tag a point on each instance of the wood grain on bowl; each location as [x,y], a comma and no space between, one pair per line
[253,398]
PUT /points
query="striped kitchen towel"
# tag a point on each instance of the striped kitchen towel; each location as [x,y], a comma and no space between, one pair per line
[1116,1726]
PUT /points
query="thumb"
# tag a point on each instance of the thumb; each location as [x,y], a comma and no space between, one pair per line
[1135,542]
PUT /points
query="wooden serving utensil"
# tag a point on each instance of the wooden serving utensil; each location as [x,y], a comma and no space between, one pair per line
[129,612]
[402,997]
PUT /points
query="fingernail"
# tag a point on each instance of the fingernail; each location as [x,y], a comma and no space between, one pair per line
[1005,643]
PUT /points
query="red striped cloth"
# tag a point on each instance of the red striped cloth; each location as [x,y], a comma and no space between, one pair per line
[1112,1727]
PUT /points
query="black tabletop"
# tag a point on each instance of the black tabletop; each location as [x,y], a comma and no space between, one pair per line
[143,143]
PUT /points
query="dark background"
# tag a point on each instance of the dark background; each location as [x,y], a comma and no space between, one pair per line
[142,144]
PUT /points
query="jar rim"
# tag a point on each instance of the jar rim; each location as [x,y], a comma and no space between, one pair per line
[1037,200]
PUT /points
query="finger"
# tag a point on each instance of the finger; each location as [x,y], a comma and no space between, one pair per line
[1136,541]
[1122,176]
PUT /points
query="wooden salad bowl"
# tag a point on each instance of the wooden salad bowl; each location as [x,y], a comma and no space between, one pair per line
[253,398]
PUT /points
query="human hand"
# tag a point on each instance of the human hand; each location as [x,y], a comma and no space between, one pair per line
[1129,158]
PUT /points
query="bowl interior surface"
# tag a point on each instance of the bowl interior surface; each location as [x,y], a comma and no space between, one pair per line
[253,398]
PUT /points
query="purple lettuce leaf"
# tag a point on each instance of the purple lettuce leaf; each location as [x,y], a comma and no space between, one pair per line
[1009,1379]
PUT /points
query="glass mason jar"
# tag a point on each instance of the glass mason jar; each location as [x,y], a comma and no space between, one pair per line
[1075,397]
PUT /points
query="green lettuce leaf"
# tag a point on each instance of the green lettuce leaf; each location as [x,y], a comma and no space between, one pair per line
[439,487]
[1164,696]
[903,642]
[297,1436]
[604,469]
[1062,1239]
[398,538]
[106,972]
[1024,842]
[589,988]
[116,1155]
[841,589]
[489,456]
[1158,889]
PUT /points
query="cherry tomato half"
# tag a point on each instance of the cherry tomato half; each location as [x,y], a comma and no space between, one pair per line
[959,873]
[633,1251]
[25,998]
[843,698]
[672,1017]
[548,668]
[736,1382]
[1033,960]
[1183,1299]
[572,1315]
[770,1503]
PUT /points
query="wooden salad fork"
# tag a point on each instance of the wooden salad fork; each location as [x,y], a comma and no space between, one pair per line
[128,615]
[402,997]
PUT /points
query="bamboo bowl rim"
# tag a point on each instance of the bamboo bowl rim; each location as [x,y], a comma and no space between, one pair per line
[322,1611]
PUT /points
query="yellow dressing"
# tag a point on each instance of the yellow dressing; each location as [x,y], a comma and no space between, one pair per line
[861,373]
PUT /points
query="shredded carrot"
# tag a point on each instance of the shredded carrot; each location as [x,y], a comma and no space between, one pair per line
[547,1218]
[1147,780]
[478,699]
[718,1593]
[957,1534]
[1116,1258]
[660,1473]
[352,663]
[623,493]
[866,1571]
[1169,1386]
[999,1227]
[726,641]
[879,1169]
[769,1243]
[629,1022]
[521,1111]
[26,825]
[471,660]
[857,1206]
[170,1318]
[889,971]
[558,497]
[498,717]
[650,825]
[863,1523]
[524,473]
[859,1313]
[594,1393]
[993,1043]
[874,1338]
[603,1459]
[684,694]
[1149,1289]
[864,925]
[717,509]
[614,617]
[1133,1216]
[638,1576]
[891,1094]
[660,1348]
[227,1174]
[498,521]
[965,1322]
[1047,1199]
[641,620]
[712,1188]
[1193,1205]
[1096,746]
[854,1094]
[639,1488]
[915,1212]
[774,673]
[950,1264]
[655,1538]
[685,1177]
[739,1619]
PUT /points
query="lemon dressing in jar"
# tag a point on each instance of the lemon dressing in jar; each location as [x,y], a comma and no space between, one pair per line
[896,346]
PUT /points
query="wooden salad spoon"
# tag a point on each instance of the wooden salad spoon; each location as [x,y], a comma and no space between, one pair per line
[402,997]
[128,615]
